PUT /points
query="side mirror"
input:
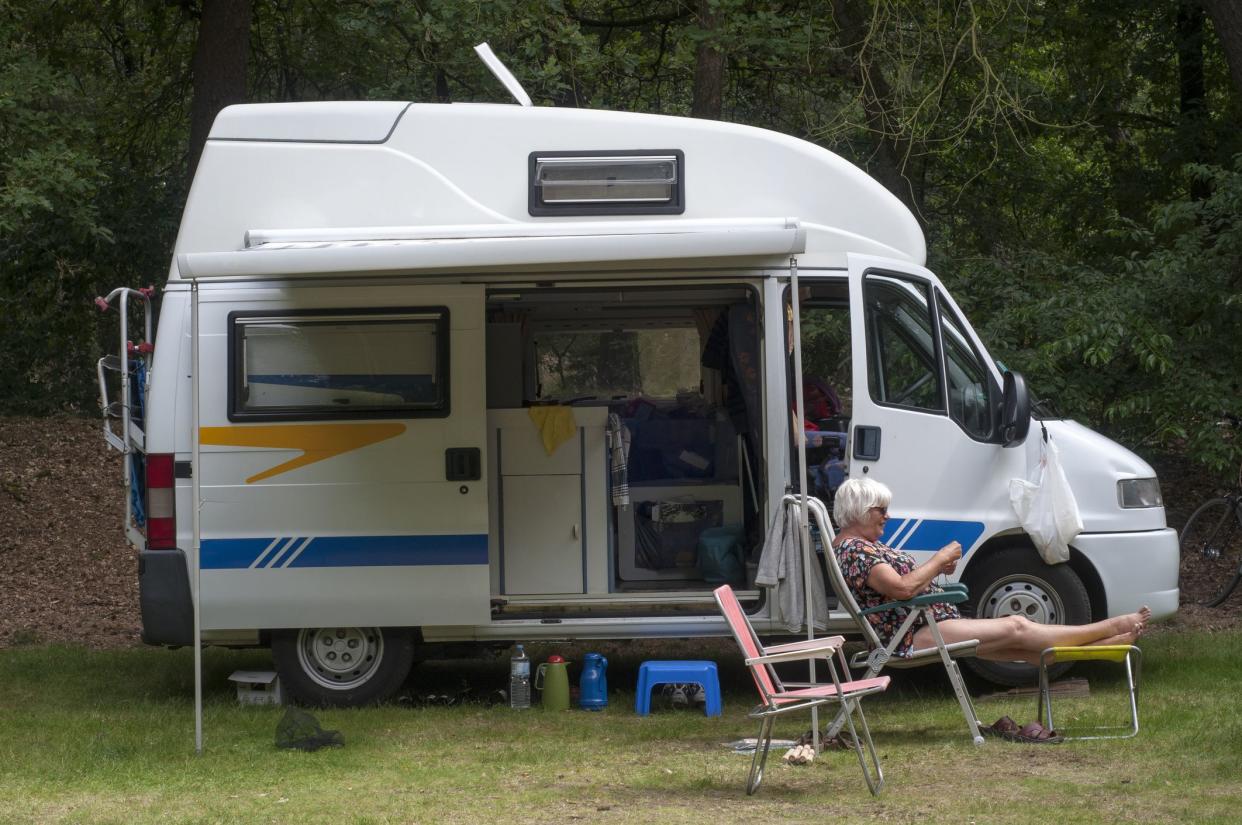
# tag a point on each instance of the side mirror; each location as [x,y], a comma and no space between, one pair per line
[1015,413]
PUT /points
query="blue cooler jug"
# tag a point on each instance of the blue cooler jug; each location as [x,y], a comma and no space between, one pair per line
[593,689]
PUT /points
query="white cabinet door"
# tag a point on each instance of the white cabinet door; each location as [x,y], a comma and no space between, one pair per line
[542,534]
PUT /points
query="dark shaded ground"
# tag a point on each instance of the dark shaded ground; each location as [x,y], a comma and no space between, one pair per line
[68,576]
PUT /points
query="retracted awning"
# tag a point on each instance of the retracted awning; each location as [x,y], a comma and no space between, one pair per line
[284,253]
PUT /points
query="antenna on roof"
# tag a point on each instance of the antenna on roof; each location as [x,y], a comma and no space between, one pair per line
[502,73]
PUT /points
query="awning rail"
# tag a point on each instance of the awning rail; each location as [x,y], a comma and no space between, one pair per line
[284,253]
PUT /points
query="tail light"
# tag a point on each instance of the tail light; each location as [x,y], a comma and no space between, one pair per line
[161,493]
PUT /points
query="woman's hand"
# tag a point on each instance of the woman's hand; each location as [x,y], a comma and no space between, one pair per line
[948,556]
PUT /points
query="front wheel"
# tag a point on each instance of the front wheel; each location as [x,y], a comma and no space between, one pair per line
[1211,544]
[1015,581]
[342,666]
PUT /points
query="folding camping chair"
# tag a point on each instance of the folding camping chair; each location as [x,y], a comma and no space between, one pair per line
[877,655]
[777,699]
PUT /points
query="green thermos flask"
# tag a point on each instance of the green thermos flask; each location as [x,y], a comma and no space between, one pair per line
[552,678]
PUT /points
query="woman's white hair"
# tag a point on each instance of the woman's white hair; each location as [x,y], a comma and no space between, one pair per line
[855,497]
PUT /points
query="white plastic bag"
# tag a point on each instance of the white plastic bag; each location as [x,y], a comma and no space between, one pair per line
[1046,508]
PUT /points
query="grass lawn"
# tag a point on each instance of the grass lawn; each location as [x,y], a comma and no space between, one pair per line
[103,737]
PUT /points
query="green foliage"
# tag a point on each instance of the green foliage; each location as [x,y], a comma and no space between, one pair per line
[1142,343]
[1045,147]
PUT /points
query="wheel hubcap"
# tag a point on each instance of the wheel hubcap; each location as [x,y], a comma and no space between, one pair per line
[1023,596]
[340,658]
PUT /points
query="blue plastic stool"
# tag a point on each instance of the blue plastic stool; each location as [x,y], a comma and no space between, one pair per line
[657,672]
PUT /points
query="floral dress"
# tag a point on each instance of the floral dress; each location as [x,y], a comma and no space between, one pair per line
[857,557]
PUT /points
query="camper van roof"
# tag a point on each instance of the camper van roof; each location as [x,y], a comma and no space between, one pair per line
[397,172]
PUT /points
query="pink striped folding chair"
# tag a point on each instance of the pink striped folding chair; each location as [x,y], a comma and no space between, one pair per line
[777,699]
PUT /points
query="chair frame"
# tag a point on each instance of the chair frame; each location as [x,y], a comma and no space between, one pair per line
[779,700]
[1130,655]
[878,655]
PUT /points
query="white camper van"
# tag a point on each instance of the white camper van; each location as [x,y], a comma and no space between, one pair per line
[470,374]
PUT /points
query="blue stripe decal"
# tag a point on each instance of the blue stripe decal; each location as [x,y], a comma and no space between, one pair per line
[933,534]
[892,528]
[930,534]
[903,534]
[348,551]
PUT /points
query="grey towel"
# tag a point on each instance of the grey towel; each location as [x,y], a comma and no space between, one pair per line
[780,570]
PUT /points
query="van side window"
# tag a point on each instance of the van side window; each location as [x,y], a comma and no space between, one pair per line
[968,380]
[902,364]
[619,363]
[328,364]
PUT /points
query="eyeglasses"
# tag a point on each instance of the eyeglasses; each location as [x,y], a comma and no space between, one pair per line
[883,511]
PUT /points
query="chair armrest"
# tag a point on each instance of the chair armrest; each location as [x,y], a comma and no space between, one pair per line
[825,642]
[948,597]
[823,652]
[955,586]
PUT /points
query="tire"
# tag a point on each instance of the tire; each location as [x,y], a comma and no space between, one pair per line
[1014,580]
[342,666]
[1211,548]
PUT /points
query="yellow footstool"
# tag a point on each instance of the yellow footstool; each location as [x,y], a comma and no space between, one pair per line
[1129,655]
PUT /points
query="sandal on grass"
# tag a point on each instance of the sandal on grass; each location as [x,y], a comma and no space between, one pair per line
[1037,734]
[1033,733]
[1002,728]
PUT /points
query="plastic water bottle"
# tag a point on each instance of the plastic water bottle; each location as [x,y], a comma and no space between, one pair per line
[519,680]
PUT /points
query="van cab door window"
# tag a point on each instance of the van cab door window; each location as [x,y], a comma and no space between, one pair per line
[903,367]
[969,388]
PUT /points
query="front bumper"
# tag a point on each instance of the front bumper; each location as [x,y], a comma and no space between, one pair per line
[1136,569]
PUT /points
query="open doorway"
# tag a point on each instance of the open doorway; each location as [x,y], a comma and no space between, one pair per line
[667,379]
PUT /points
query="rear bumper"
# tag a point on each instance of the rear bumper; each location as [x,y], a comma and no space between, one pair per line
[164,598]
[1136,569]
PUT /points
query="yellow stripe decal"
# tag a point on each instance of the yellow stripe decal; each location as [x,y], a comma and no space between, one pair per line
[316,441]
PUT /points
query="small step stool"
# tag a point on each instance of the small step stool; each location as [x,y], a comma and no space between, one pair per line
[657,672]
[1129,655]
[257,687]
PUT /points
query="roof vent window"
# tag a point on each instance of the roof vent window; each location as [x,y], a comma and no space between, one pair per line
[607,183]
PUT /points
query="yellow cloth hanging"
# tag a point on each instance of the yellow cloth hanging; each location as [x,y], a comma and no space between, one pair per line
[556,425]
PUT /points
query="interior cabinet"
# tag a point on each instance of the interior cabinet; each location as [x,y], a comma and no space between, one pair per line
[543,534]
[549,512]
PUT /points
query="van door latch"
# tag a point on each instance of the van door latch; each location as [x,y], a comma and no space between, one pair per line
[867,443]
[463,464]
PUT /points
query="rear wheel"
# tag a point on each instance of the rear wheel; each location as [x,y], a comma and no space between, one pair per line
[342,666]
[1015,581]
[1211,544]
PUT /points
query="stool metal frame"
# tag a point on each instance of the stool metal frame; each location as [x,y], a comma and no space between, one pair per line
[1129,655]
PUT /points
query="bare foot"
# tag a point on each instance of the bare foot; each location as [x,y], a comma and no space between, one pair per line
[1130,624]
[1121,638]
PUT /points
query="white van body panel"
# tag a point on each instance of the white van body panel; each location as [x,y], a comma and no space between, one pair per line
[443,166]
[373,532]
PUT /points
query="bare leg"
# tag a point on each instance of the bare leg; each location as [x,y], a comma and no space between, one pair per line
[1015,638]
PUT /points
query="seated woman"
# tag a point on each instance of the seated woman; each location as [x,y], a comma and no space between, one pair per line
[876,573]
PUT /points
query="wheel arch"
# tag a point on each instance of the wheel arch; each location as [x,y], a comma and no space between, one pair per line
[1079,563]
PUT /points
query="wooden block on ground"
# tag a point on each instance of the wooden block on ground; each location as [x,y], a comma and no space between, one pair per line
[1060,688]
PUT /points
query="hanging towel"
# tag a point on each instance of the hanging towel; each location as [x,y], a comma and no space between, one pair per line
[555,424]
[780,570]
[619,456]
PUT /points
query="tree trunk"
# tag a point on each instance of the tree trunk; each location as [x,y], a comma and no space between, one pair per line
[1227,19]
[1192,89]
[218,66]
[708,67]
[887,163]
